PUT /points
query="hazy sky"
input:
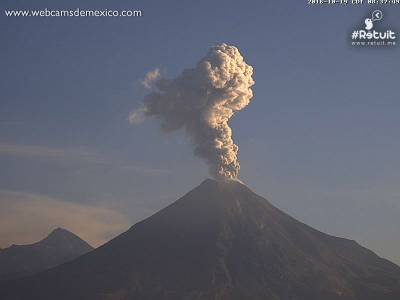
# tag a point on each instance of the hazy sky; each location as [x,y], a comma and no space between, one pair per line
[320,139]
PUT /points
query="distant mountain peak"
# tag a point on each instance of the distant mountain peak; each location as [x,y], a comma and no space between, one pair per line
[61,237]
[58,247]
[60,230]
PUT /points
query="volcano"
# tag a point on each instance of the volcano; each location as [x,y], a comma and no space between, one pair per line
[58,247]
[219,241]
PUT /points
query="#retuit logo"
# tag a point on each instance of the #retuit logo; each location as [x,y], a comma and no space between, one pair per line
[371,36]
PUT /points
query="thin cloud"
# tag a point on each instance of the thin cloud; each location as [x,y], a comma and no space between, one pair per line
[81,155]
[78,153]
[24,150]
[26,218]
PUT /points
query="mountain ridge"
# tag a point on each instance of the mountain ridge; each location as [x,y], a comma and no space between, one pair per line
[218,241]
[56,248]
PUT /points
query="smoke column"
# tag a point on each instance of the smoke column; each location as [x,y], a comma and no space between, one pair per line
[201,101]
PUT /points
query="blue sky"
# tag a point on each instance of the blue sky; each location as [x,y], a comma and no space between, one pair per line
[320,139]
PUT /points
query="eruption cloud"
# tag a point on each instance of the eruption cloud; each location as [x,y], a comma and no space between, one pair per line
[201,101]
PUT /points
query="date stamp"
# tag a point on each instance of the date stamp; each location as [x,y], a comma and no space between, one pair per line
[353,2]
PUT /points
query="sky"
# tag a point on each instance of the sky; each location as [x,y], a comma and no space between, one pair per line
[319,140]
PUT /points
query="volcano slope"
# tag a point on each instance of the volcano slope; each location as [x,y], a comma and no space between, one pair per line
[219,241]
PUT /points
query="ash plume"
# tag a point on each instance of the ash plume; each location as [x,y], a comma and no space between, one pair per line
[201,101]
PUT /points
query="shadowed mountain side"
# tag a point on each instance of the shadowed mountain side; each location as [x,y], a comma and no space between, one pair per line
[58,247]
[219,241]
